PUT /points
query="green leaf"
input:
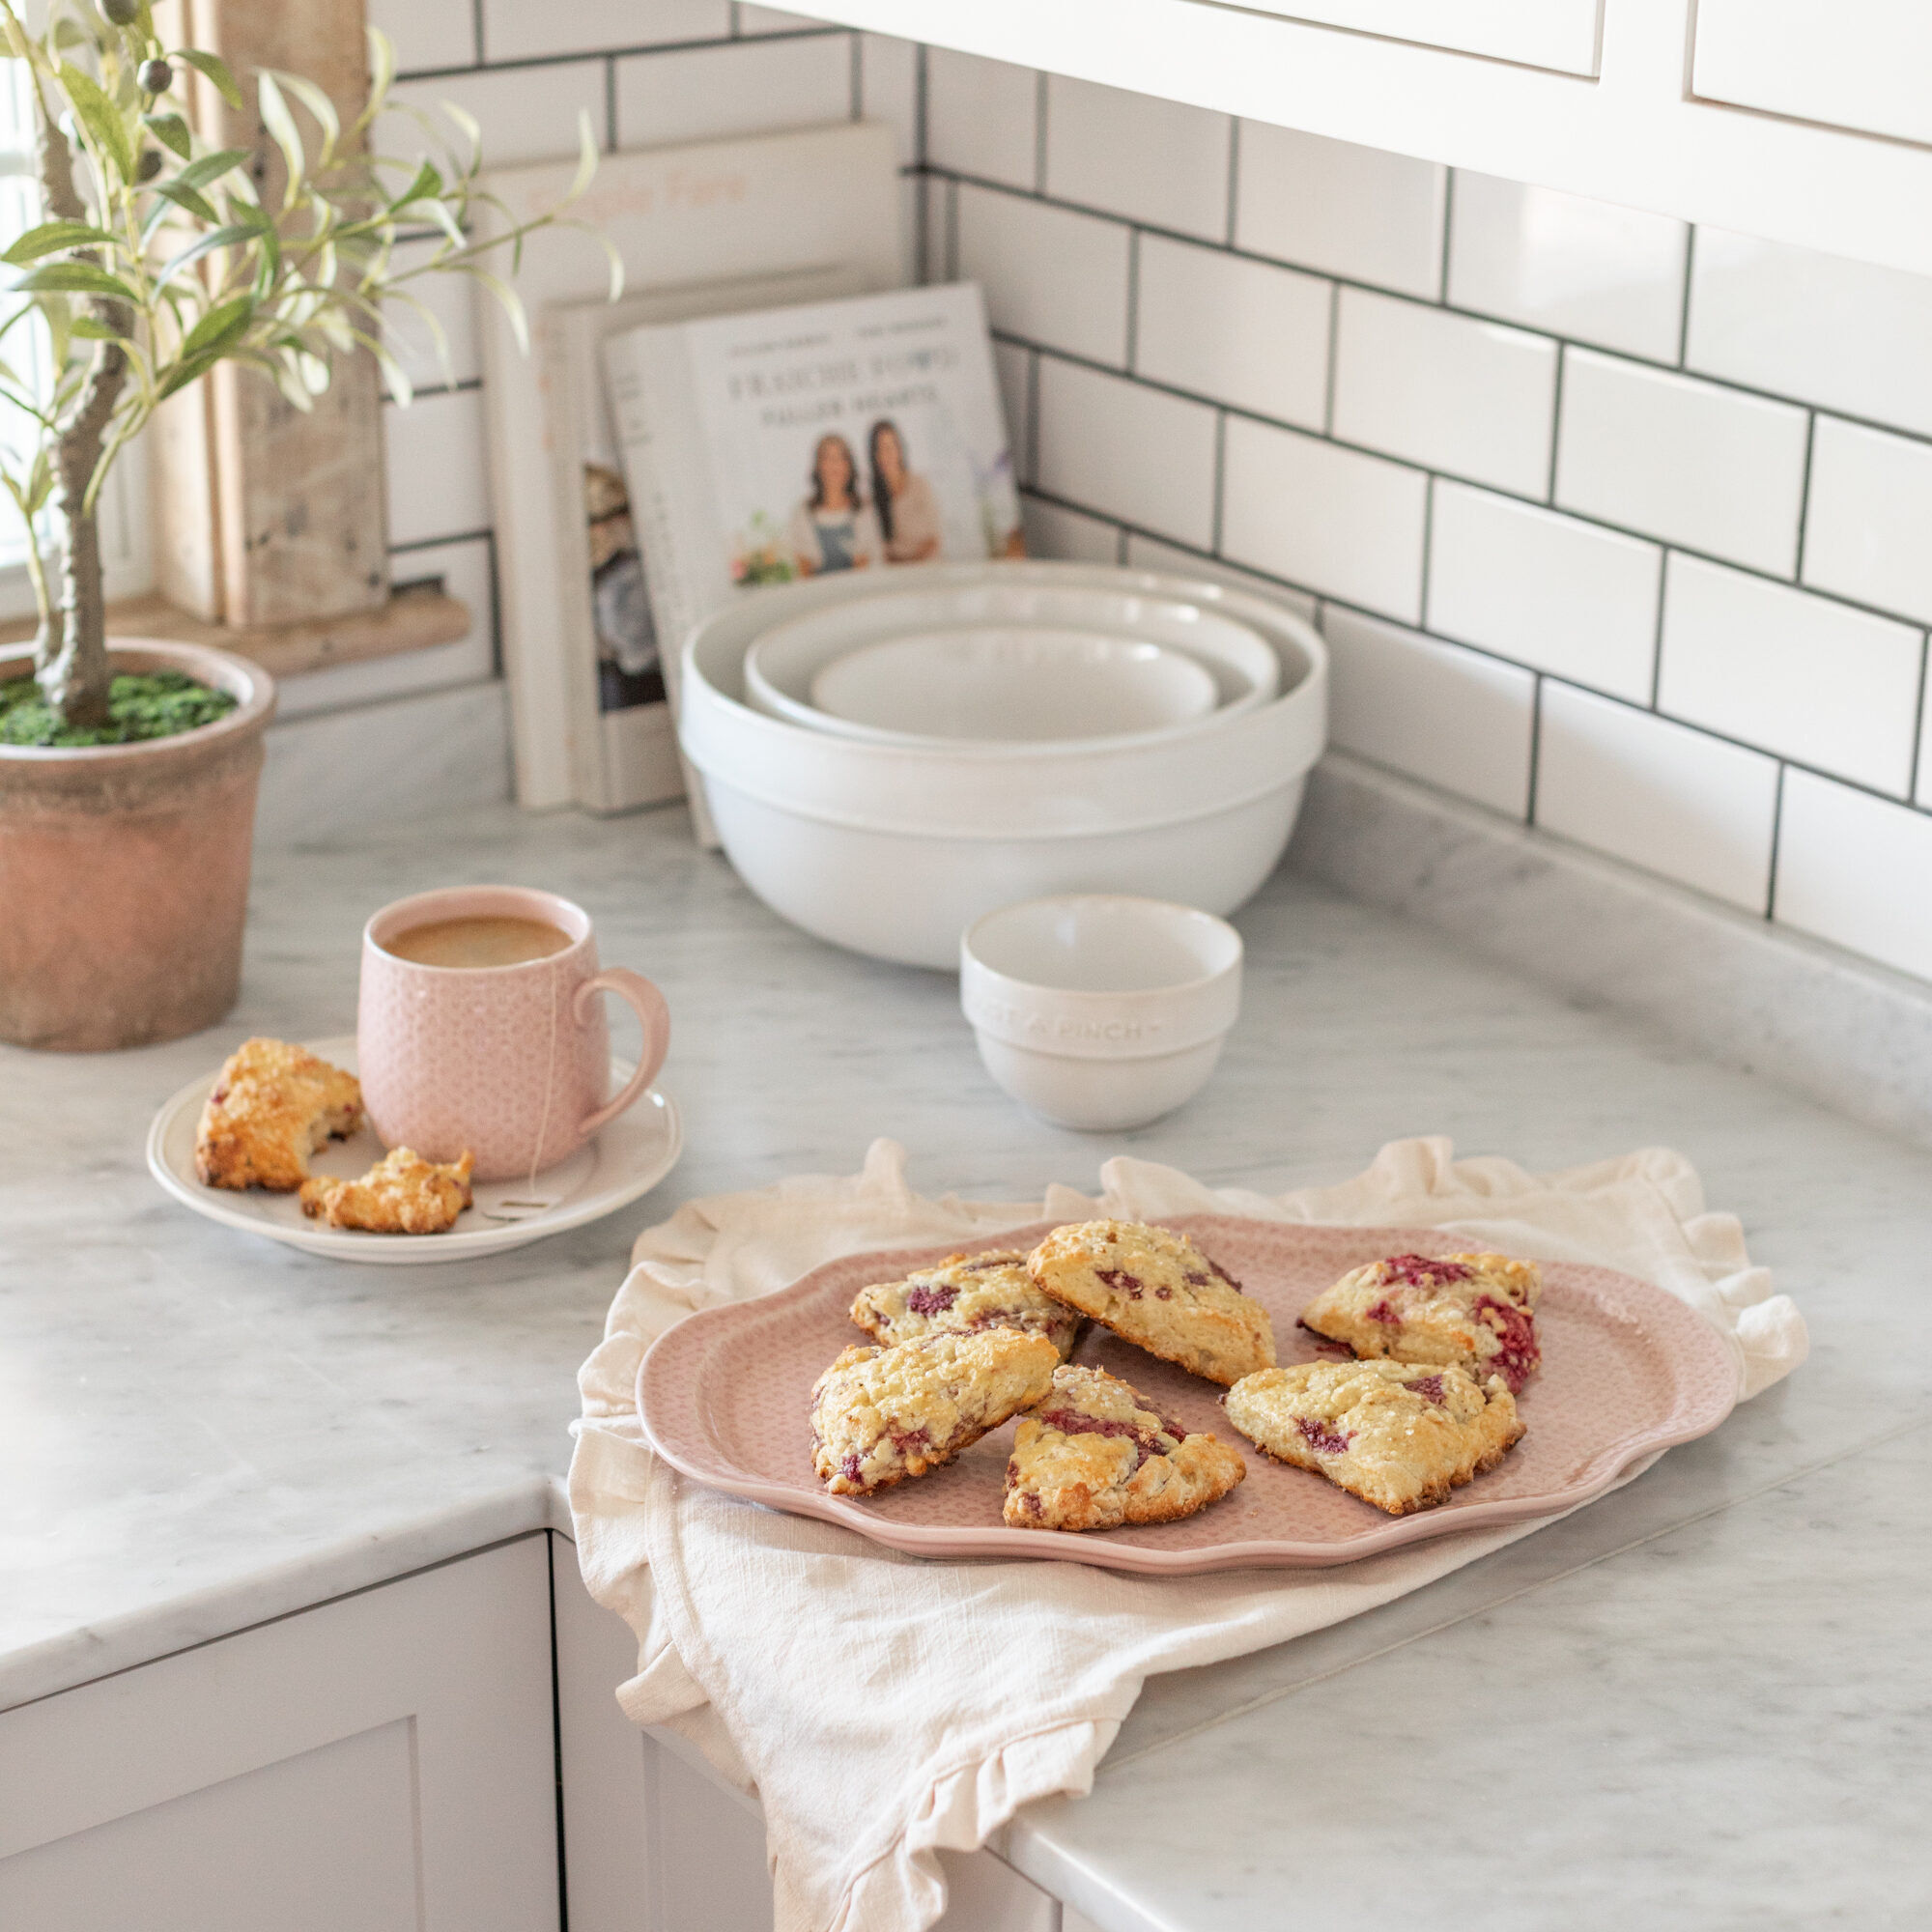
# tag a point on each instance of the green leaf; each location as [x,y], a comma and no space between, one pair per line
[211,167]
[217,329]
[95,331]
[51,236]
[382,69]
[427,186]
[76,278]
[270,264]
[282,130]
[176,193]
[216,71]
[321,106]
[171,131]
[100,118]
[467,127]
[183,374]
[235,235]
[508,300]
[586,155]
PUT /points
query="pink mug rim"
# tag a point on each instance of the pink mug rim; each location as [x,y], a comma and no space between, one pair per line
[477,902]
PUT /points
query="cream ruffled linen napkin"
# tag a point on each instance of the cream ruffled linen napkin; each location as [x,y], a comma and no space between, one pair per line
[883,1707]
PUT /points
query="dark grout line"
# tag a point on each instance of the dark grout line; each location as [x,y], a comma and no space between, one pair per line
[1770,865]
[1684,312]
[1535,772]
[1656,633]
[1555,423]
[1804,496]
[1234,176]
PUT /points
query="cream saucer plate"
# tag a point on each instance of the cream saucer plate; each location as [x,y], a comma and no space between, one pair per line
[627,1159]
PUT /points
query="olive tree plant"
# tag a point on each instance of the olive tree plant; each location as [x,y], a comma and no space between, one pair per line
[160,256]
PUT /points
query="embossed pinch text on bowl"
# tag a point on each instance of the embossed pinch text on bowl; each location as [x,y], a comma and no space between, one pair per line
[1628,1369]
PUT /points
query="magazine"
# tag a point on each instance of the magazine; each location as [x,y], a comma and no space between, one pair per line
[857,434]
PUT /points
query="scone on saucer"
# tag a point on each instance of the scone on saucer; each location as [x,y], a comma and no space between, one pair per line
[402,1194]
[1474,1312]
[1155,1289]
[879,1415]
[963,1295]
[1401,1435]
[1094,1455]
[272,1107]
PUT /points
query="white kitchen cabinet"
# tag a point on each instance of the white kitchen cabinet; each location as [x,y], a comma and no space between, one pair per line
[1807,121]
[384,1761]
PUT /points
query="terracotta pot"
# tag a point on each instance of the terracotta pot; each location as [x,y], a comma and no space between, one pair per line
[124,869]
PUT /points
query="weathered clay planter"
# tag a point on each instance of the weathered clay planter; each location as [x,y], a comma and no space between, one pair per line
[124,869]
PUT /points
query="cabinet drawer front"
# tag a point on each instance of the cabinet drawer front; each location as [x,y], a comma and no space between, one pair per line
[1865,65]
[1560,35]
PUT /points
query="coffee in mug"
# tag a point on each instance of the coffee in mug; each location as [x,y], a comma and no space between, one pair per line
[480,1026]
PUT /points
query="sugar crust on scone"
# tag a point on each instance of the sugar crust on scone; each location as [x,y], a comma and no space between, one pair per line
[1474,1311]
[270,1108]
[962,1296]
[879,1415]
[402,1194]
[1093,1455]
[1401,1435]
[1155,1289]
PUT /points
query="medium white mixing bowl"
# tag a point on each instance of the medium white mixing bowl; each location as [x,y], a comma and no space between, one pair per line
[893,851]
[1101,1012]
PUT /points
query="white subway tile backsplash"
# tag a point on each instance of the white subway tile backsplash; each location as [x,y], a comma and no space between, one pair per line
[1473,398]
[1157,161]
[1655,794]
[1798,674]
[1150,554]
[427,33]
[1450,717]
[1071,536]
[1846,334]
[889,89]
[740,87]
[1056,277]
[1332,206]
[1868,527]
[983,117]
[1126,451]
[1243,332]
[1549,591]
[1343,523]
[516,30]
[1690,461]
[1586,269]
[1857,872]
[527,114]
[437,467]
[1012,369]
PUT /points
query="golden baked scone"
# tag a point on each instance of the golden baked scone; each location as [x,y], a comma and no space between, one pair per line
[1155,1289]
[402,1194]
[1094,1455]
[274,1105]
[879,1415]
[1476,1312]
[1399,1435]
[963,1295]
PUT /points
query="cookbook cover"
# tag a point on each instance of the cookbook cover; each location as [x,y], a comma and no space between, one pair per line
[857,434]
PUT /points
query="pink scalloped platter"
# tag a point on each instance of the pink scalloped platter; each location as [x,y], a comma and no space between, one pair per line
[1628,1369]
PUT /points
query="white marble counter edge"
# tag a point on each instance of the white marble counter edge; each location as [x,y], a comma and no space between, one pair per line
[339,1569]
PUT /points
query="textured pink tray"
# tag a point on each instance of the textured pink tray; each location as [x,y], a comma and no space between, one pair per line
[1628,1369]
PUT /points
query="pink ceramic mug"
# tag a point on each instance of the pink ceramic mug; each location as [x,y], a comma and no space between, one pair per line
[511,1062]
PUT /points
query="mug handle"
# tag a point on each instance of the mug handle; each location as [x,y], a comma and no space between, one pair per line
[653,1015]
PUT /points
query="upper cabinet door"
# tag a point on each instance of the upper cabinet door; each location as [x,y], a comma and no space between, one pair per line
[1560,35]
[1859,64]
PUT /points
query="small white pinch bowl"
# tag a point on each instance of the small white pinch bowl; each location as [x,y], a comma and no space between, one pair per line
[1007,684]
[1098,1010]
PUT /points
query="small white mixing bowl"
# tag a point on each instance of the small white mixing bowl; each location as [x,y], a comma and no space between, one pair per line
[1098,1010]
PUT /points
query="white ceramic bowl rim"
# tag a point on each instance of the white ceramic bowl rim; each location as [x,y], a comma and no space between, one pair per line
[1167,916]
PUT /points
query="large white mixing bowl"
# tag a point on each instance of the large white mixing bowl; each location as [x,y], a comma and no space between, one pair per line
[893,851]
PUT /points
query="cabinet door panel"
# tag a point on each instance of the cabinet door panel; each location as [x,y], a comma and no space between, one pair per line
[1858,64]
[1556,34]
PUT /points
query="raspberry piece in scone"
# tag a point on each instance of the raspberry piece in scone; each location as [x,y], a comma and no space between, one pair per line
[879,1415]
[1155,1289]
[962,1296]
[1399,1435]
[1476,1312]
[1094,1455]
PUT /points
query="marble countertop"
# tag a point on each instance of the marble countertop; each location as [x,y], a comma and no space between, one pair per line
[1693,1703]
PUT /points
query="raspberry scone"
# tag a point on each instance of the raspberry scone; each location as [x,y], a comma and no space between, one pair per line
[1155,1289]
[1475,1311]
[881,1414]
[1399,1435]
[1094,1455]
[963,1295]
[272,1106]
[402,1194]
